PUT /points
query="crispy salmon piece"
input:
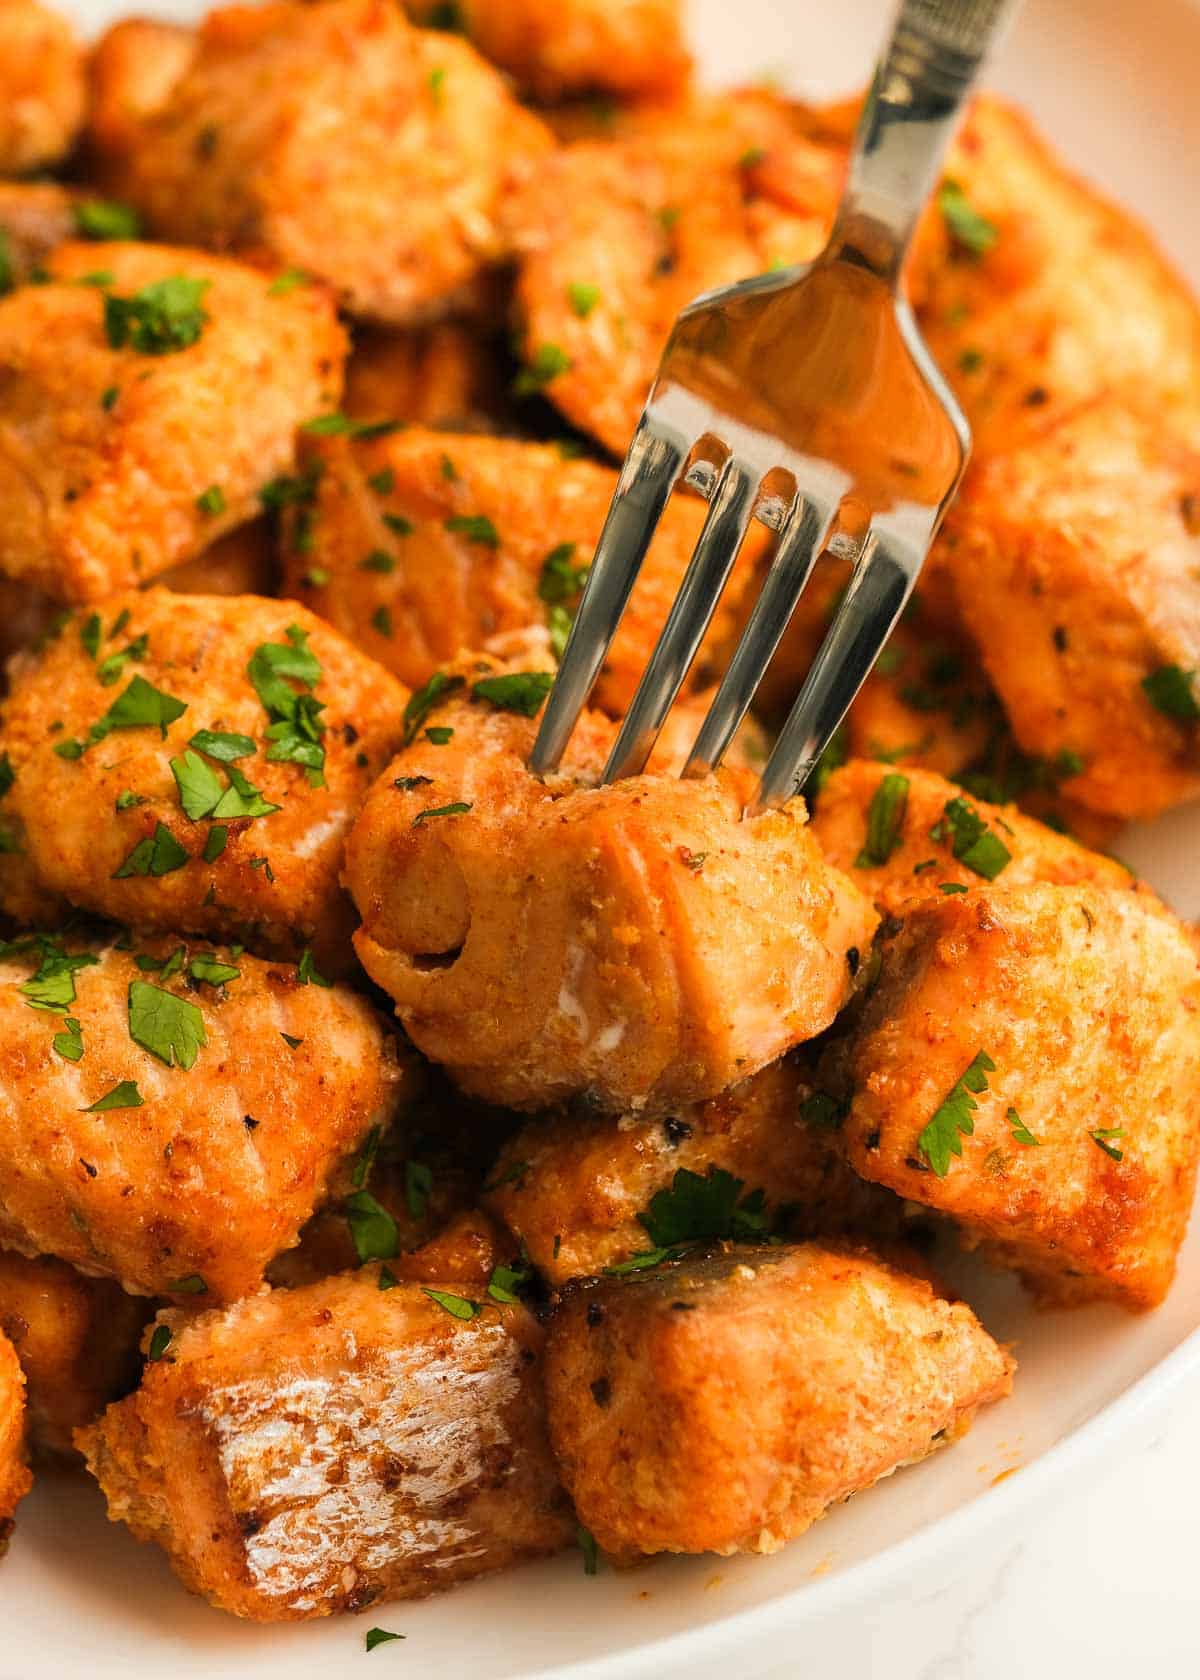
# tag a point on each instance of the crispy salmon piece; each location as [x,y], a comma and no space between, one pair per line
[419,545]
[907,833]
[447,375]
[194,1187]
[35,216]
[309,1451]
[15,1480]
[1029,1064]
[573,1188]
[103,820]
[132,72]
[1074,563]
[615,237]
[640,942]
[42,92]
[723,1404]
[117,462]
[295,132]
[77,1340]
[555,48]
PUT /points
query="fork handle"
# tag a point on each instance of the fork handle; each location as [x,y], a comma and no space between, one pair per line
[911,111]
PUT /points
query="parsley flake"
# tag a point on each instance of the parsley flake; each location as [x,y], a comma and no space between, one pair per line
[438,688]
[438,736]
[158,854]
[1171,690]
[102,219]
[517,691]
[583,298]
[697,1209]
[971,840]
[193,1284]
[215,843]
[161,318]
[379,560]
[586,1541]
[507,1282]
[885,819]
[124,1095]
[288,282]
[160,1341]
[456,1305]
[476,527]
[306,971]
[372,1229]
[224,747]
[69,1043]
[967,226]
[211,501]
[52,986]
[547,363]
[169,1027]
[380,1636]
[458,809]
[1020,1131]
[953,1120]
[296,727]
[418,1187]
[208,968]
[1101,1136]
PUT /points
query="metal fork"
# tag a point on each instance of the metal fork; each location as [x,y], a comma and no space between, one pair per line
[808,400]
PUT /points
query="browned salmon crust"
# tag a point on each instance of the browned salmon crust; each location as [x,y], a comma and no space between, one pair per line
[640,941]
[294,133]
[723,1404]
[311,1450]
[1075,1161]
[194,1187]
[42,93]
[15,1480]
[77,1340]
[119,462]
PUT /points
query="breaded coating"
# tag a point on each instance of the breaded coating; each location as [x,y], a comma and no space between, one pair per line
[573,1187]
[1029,1064]
[15,1480]
[555,48]
[35,216]
[420,545]
[338,140]
[179,1135]
[446,375]
[905,833]
[309,1451]
[77,1340]
[722,1405]
[132,71]
[42,92]
[615,237]
[1074,563]
[134,432]
[640,941]
[137,740]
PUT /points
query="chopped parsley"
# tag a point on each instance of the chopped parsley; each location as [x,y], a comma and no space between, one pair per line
[372,1228]
[971,840]
[169,1027]
[158,854]
[582,298]
[380,1636]
[381,620]
[124,1095]
[52,986]
[288,282]
[161,318]
[823,1112]
[341,425]
[211,501]
[458,809]
[383,482]
[456,1305]
[406,784]
[561,579]
[476,527]
[438,736]
[69,1042]
[292,1042]
[951,888]
[953,1120]
[586,1541]
[289,490]
[438,688]
[1172,691]
[306,971]
[885,819]
[90,632]
[396,522]
[102,219]
[418,1187]
[193,1284]
[208,968]
[379,560]
[366,1158]
[1020,1131]
[1101,1138]
[296,728]
[547,363]
[110,669]
[140,706]
[506,1282]
[971,230]
[215,843]
[697,1209]
[387,1278]
[517,691]
[160,1341]
[224,747]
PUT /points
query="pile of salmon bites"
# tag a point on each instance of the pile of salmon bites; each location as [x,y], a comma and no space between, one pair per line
[409,1166]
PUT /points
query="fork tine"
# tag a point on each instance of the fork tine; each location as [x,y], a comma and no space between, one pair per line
[646,480]
[874,601]
[729,513]
[803,536]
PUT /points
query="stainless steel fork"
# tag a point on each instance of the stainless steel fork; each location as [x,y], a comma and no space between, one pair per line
[805,399]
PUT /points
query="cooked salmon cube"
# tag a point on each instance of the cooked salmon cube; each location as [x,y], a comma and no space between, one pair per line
[584,1192]
[1073,560]
[723,1404]
[77,1339]
[148,395]
[309,1451]
[193,763]
[41,87]
[1029,1064]
[336,140]
[171,1114]
[560,47]
[132,71]
[419,545]
[641,942]
[35,216]
[15,1480]
[907,833]
[449,375]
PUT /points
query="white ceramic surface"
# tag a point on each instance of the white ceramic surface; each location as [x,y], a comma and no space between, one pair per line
[80,1601]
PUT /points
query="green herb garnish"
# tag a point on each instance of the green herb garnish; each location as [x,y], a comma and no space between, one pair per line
[885,819]
[953,1121]
[161,318]
[169,1027]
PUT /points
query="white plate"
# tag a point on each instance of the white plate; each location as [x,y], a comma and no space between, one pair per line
[81,1601]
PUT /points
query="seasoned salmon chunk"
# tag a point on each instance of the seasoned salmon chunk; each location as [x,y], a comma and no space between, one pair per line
[640,942]
[338,140]
[723,1404]
[15,1480]
[171,1114]
[42,92]
[194,762]
[147,396]
[448,374]
[1029,1064]
[419,545]
[585,1192]
[904,834]
[560,47]
[77,1339]
[311,1450]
